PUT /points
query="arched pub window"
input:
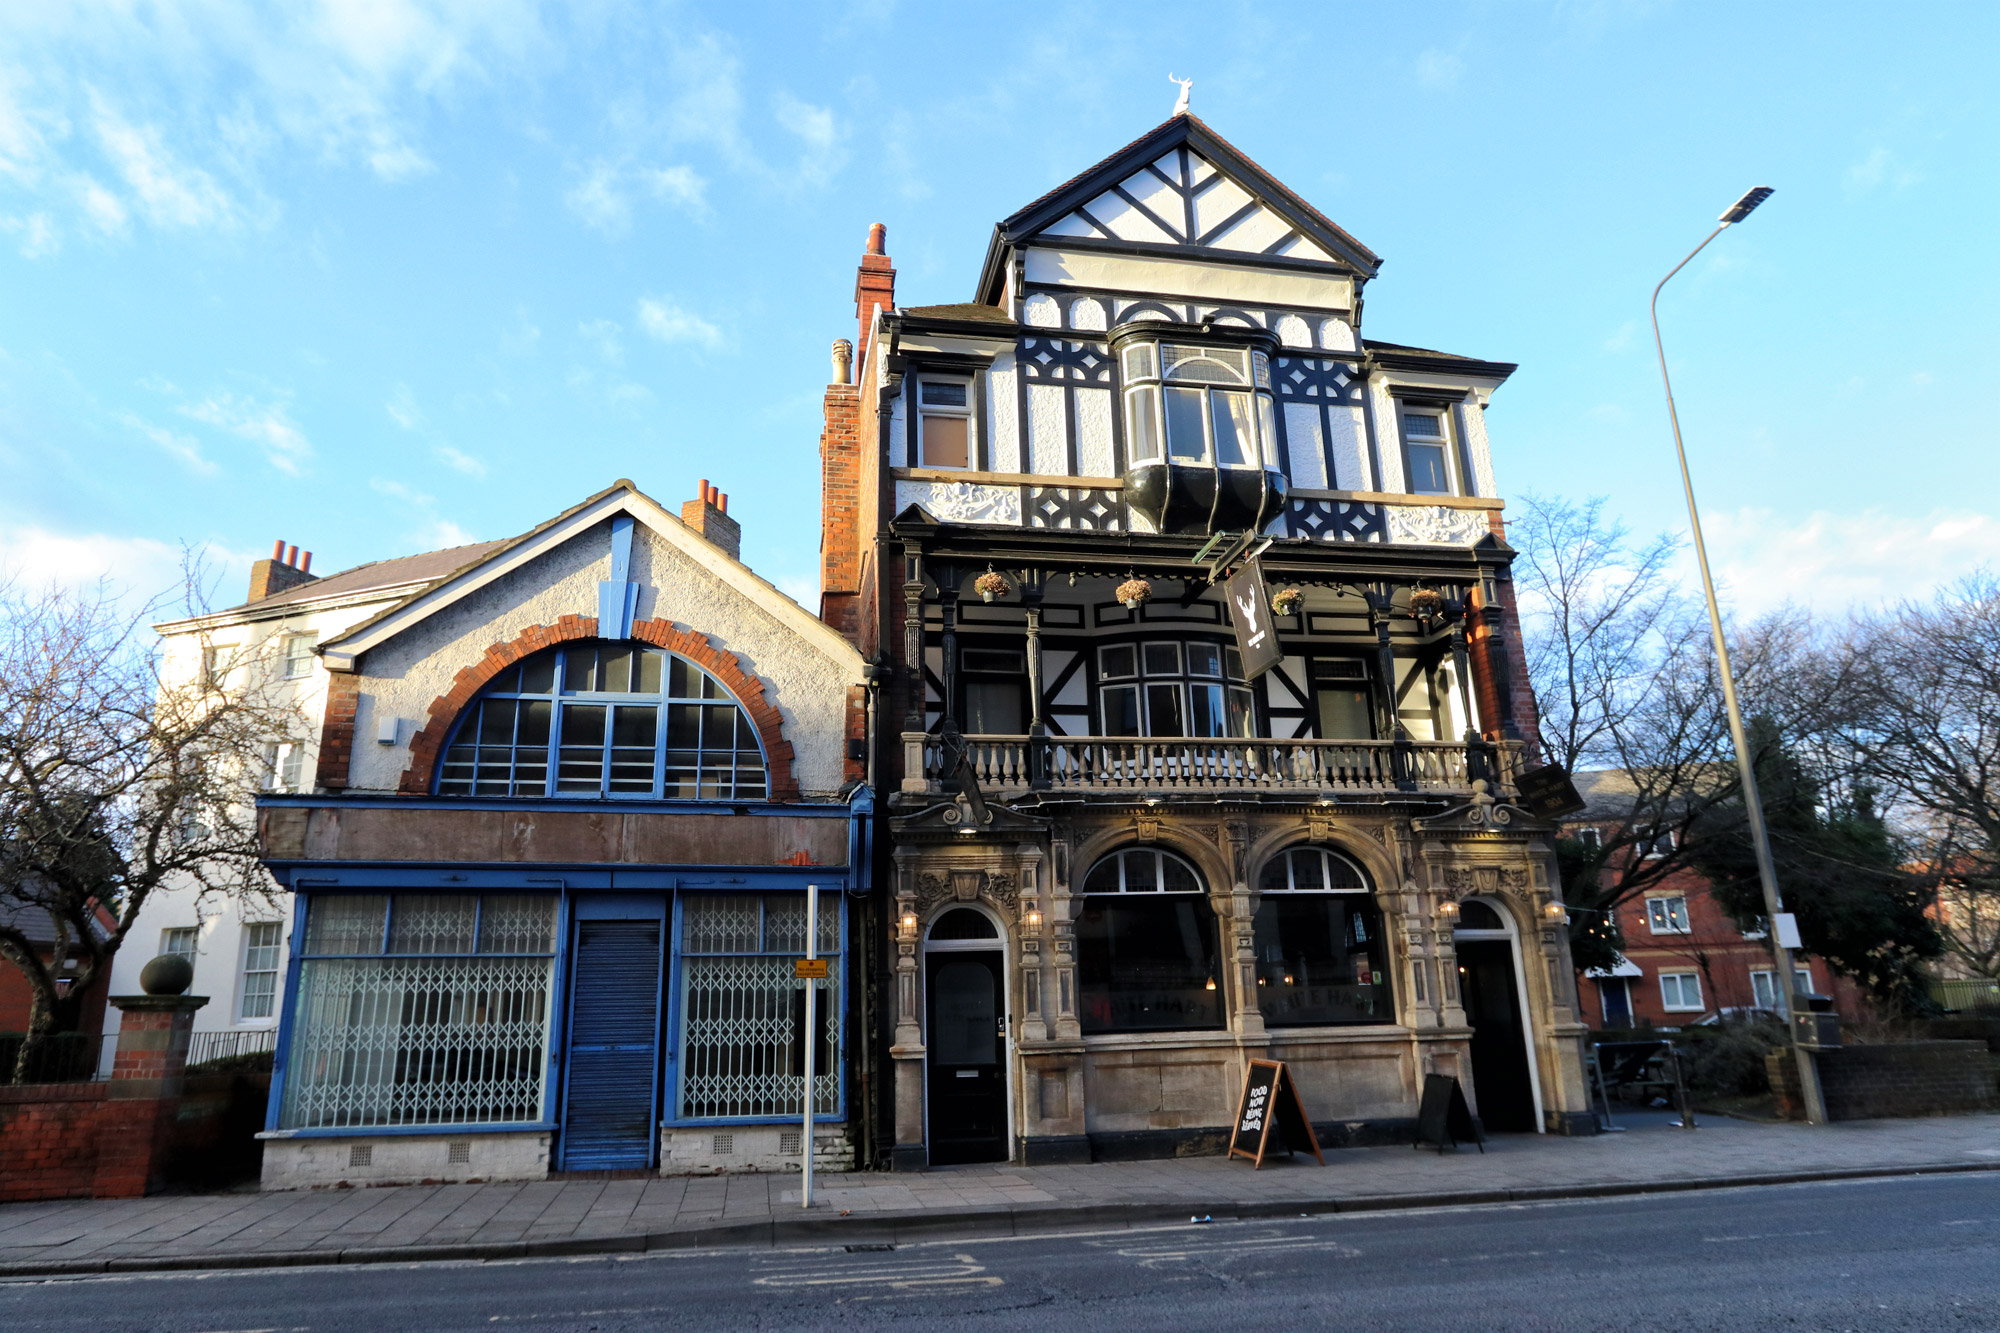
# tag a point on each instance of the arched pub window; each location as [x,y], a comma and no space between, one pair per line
[604,719]
[1321,958]
[1146,946]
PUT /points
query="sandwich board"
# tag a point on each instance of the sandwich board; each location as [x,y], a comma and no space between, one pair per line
[1271,1100]
[1444,1116]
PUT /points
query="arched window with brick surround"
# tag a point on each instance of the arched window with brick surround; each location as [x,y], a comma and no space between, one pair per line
[604,719]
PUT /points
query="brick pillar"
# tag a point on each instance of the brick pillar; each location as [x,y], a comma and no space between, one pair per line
[336,730]
[840,510]
[144,1093]
[874,287]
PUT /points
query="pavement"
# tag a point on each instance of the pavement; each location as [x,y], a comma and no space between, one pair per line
[589,1216]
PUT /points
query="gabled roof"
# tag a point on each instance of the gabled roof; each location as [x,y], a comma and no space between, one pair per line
[1181,186]
[498,559]
[424,568]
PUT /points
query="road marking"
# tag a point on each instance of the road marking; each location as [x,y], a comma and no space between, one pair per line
[1762,1235]
[961,1270]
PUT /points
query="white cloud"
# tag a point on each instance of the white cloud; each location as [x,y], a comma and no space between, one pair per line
[1881,168]
[169,193]
[460,462]
[396,490]
[1833,561]
[599,201]
[183,447]
[1439,69]
[442,534]
[38,234]
[678,185]
[268,425]
[141,567]
[665,320]
[811,123]
[603,335]
[105,210]
[402,408]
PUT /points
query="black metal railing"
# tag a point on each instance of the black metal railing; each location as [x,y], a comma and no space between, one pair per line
[208,1046]
[60,1057]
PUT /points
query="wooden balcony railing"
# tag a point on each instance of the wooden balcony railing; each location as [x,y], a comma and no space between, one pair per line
[1007,764]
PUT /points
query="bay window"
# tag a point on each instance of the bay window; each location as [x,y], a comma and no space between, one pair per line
[1208,406]
[1173,688]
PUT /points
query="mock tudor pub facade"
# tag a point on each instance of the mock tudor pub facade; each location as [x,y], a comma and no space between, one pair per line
[1125,861]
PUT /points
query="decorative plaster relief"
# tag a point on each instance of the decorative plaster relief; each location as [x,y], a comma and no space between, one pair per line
[1435,525]
[962,501]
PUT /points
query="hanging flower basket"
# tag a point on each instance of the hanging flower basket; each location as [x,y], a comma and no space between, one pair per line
[1134,591]
[1286,601]
[990,586]
[1426,603]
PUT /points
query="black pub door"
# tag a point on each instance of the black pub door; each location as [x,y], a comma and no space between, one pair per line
[966,1048]
[1499,1039]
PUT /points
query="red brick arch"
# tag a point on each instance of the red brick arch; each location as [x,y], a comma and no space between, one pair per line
[428,743]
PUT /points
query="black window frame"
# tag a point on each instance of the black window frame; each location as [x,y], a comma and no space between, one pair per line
[1284,968]
[1145,910]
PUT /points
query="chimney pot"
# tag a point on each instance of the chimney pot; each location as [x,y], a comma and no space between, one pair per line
[878,239]
[843,361]
[292,556]
[278,549]
[306,565]
[722,501]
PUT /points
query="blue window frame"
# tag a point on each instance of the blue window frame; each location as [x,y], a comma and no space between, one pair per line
[605,719]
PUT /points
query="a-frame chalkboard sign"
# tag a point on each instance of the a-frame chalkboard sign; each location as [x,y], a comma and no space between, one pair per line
[1270,1098]
[1444,1117]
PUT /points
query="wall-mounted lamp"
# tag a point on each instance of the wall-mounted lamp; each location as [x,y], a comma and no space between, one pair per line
[1555,911]
[1211,983]
[1447,911]
[909,925]
[1033,920]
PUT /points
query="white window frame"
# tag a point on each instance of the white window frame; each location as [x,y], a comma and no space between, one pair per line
[217,661]
[298,660]
[1591,836]
[1446,442]
[244,971]
[1650,842]
[1802,982]
[1681,980]
[1261,445]
[923,409]
[284,766]
[1660,915]
[190,935]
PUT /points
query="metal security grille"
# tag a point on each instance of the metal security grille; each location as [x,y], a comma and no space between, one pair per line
[742,1014]
[461,1038]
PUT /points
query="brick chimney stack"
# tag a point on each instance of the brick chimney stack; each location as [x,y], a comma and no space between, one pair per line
[874,287]
[285,569]
[709,516]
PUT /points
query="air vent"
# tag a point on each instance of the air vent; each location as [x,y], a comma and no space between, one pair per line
[788,1142]
[724,1143]
[458,1154]
[361,1154]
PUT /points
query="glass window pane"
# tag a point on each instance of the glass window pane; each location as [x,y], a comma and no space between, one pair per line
[649,673]
[1308,870]
[1163,659]
[580,767]
[1427,470]
[1267,432]
[683,680]
[1185,440]
[718,728]
[635,725]
[1147,964]
[580,670]
[1121,710]
[1422,423]
[1319,959]
[1203,365]
[1205,710]
[944,394]
[1163,711]
[617,671]
[1345,712]
[683,726]
[535,715]
[993,708]
[538,675]
[1139,362]
[1204,659]
[1103,877]
[517,923]
[1241,720]
[1177,877]
[346,923]
[1235,437]
[1118,662]
[944,443]
[427,923]
[1142,424]
[1260,369]
[496,722]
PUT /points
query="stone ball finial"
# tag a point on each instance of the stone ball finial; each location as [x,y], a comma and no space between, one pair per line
[169,974]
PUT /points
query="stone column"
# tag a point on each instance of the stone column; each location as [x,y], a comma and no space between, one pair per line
[146,1075]
[906,1049]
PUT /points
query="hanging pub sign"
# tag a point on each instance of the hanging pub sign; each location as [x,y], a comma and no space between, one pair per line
[1250,613]
[1548,792]
[1270,1100]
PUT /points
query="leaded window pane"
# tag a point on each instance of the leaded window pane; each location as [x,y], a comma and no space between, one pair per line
[1204,365]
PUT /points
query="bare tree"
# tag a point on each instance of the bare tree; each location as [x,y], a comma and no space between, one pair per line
[1916,695]
[118,779]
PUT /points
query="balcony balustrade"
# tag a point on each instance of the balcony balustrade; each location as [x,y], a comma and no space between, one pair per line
[1007,765]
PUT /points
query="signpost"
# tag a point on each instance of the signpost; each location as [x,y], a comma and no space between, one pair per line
[1444,1117]
[810,970]
[1270,1098]
[1250,613]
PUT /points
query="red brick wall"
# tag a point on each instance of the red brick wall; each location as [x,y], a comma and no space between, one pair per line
[336,732]
[840,510]
[1493,639]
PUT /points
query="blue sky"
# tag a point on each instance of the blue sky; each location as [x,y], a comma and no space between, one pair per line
[381,276]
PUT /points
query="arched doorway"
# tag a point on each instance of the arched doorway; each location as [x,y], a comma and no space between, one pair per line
[1506,1083]
[965,1038]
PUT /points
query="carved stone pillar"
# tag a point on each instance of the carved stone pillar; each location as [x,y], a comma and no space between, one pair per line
[906,1050]
[1240,939]
[1033,928]
[1062,942]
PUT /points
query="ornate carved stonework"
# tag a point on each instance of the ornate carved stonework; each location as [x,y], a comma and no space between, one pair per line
[998,888]
[932,889]
[1319,827]
[1149,826]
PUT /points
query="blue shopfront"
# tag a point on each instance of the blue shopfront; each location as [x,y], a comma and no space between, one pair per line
[622,1015]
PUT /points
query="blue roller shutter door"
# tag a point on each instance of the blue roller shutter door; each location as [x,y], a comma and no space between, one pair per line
[614,1046]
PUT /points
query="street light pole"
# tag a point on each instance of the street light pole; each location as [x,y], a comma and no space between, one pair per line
[1774,907]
